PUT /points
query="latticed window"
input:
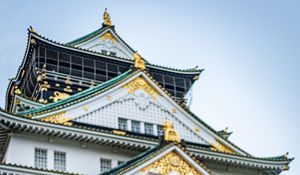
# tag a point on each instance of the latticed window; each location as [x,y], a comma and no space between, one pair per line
[105,165]
[59,161]
[40,158]
[149,128]
[122,123]
[135,126]
[160,130]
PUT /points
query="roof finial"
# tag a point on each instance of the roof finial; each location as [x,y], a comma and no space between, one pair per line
[286,155]
[138,61]
[170,134]
[106,18]
[226,130]
[31,29]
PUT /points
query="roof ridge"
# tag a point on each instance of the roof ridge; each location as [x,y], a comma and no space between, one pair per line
[85,37]
[194,69]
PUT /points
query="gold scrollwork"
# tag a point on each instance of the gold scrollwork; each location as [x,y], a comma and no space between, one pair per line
[109,36]
[18,91]
[141,83]
[171,162]
[58,119]
[59,96]
[43,101]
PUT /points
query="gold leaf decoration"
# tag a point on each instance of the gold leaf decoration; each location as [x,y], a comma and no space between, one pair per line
[109,36]
[219,147]
[170,133]
[58,119]
[171,162]
[106,18]
[138,61]
[59,96]
[119,132]
[141,83]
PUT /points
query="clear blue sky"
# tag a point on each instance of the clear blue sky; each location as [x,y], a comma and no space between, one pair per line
[250,51]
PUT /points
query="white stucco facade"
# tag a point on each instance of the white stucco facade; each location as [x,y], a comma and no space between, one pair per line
[83,158]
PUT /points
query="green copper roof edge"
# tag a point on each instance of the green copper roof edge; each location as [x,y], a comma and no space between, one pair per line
[81,94]
[216,132]
[12,80]
[86,37]
[138,157]
[37,169]
[190,70]
[187,110]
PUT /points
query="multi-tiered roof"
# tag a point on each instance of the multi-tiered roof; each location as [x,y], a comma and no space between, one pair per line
[60,87]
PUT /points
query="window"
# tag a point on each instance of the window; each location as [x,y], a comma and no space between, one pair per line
[135,126]
[40,158]
[105,165]
[122,123]
[120,162]
[59,161]
[149,128]
[160,130]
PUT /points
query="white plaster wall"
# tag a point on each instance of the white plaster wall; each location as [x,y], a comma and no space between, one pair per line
[141,107]
[80,158]
[97,44]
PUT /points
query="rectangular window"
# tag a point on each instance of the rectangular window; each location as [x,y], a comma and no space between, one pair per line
[40,158]
[148,128]
[105,165]
[122,123]
[59,161]
[160,130]
[135,126]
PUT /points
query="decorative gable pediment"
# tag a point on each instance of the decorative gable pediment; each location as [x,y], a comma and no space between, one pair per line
[140,103]
[108,43]
[172,161]
[141,107]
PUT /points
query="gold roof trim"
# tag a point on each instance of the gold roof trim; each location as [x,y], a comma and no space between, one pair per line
[58,119]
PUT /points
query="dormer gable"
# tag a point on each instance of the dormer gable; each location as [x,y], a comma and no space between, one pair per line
[105,41]
[172,159]
[132,97]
